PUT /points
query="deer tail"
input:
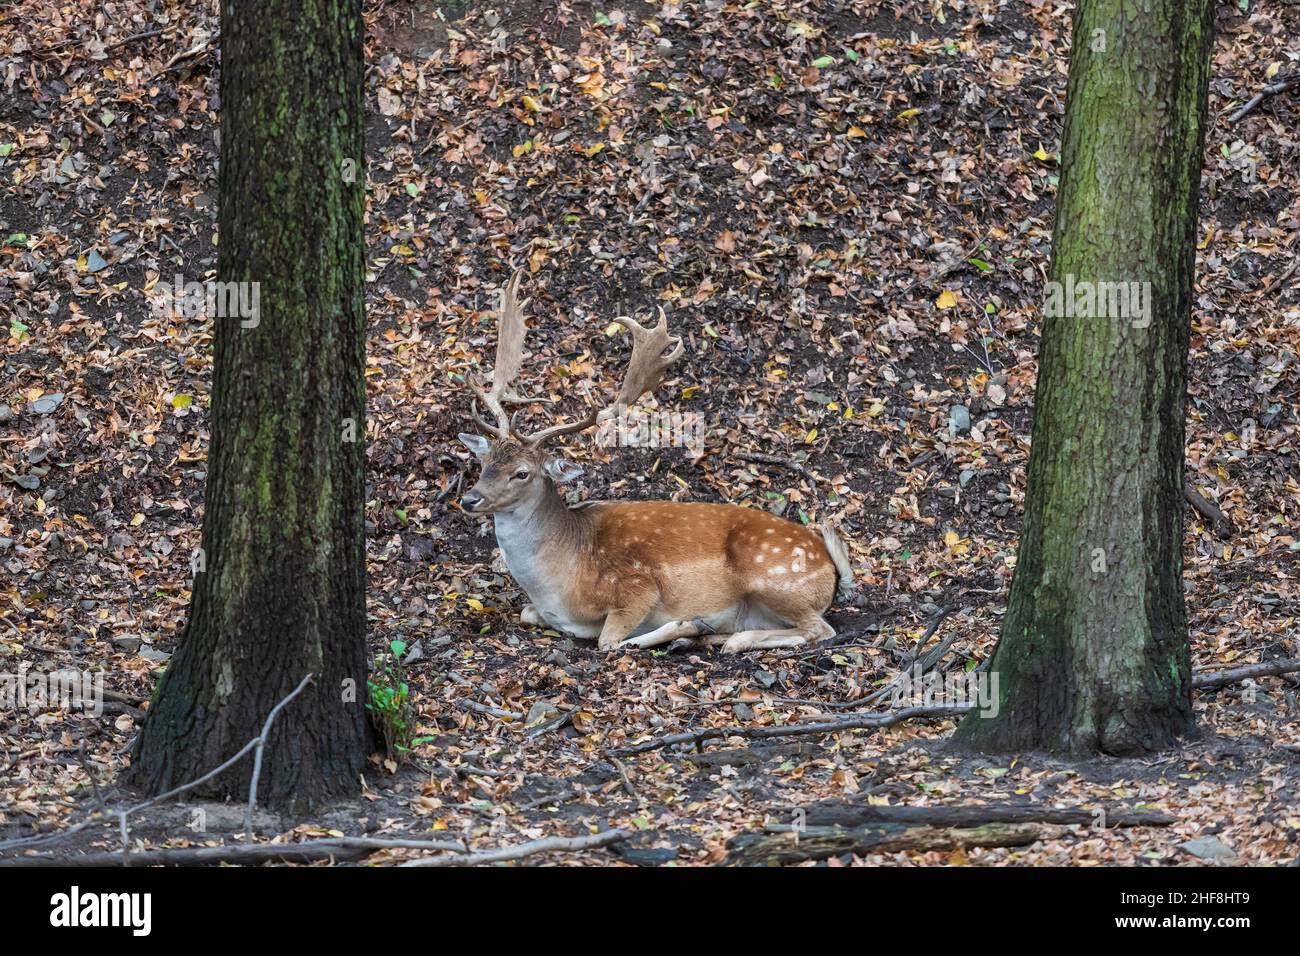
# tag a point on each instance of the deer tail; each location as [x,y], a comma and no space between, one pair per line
[839,555]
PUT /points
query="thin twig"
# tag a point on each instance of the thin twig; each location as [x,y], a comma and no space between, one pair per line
[937,274]
[776,461]
[869,721]
[257,755]
[123,813]
[562,796]
[146,35]
[90,773]
[627,781]
[547,845]
[1279,286]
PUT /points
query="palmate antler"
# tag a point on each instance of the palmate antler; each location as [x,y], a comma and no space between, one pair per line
[644,370]
[511,331]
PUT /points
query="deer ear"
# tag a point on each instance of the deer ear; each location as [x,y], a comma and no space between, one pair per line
[561,470]
[479,445]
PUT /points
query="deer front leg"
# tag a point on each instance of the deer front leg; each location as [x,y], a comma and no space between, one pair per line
[530,615]
[666,633]
[621,622]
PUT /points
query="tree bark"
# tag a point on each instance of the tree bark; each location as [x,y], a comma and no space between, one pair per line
[280,591]
[1093,655]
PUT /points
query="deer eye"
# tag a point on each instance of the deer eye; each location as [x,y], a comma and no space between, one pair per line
[520,475]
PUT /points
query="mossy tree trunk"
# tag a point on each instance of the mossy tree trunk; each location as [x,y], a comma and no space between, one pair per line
[1093,655]
[280,590]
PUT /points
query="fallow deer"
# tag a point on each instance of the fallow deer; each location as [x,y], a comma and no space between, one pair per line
[640,573]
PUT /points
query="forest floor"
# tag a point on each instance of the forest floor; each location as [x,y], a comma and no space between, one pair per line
[847,209]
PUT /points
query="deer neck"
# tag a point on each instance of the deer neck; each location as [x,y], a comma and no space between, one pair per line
[543,546]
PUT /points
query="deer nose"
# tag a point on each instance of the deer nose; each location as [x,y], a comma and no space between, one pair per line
[471,500]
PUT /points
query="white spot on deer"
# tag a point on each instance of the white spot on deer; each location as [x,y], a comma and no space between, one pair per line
[776,569]
[759,559]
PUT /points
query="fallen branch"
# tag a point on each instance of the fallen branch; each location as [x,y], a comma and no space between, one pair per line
[247,853]
[818,843]
[910,661]
[547,845]
[851,814]
[546,726]
[930,630]
[1222,524]
[887,718]
[332,848]
[872,721]
[1213,680]
[1259,97]
[489,711]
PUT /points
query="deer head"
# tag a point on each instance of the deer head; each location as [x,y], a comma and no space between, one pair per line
[519,470]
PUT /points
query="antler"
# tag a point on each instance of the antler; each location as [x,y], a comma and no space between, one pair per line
[644,372]
[511,331]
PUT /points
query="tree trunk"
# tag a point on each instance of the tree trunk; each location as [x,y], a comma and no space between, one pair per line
[280,585]
[1093,656]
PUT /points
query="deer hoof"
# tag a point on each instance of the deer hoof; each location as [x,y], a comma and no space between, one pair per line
[737,644]
[703,626]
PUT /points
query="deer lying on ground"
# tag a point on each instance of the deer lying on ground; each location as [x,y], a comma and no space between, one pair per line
[640,573]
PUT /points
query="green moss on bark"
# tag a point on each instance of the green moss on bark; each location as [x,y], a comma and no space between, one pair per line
[1094,654]
[283,593]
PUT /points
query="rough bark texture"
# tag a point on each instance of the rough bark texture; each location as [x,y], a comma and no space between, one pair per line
[282,592]
[1093,655]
